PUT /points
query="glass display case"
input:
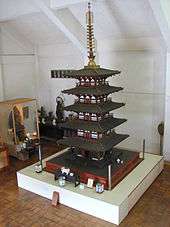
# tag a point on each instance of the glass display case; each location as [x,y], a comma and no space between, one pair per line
[19,126]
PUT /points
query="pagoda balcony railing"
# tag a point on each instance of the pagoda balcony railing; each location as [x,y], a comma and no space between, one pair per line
[91,84]
[108,116]
[91,101]
[78,84]
[84,101]
[88,137]
[92,140]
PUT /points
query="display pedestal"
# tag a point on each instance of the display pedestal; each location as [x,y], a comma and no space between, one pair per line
[112,206]
[86,169]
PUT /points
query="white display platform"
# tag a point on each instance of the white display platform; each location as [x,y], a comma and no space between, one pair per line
[112,206]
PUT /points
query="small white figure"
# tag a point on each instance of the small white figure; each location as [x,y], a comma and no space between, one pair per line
[118,160]
[64,170]
[54,122]
[43,121]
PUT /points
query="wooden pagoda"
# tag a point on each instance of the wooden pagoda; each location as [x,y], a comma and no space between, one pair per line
[94,126]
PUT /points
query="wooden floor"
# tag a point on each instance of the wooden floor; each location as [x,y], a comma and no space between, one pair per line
[19,207]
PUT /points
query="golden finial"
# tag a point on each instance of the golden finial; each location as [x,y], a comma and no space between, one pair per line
[90,37]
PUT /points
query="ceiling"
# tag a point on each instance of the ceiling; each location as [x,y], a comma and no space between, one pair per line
[116,19]
[120,18]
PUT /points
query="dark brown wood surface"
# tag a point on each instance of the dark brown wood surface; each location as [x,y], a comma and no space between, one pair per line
[19,207]
[117,175]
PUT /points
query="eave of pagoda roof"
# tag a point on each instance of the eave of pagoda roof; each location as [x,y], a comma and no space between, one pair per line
[103,107]
[101,126]
[100,145]
[92,72]
[96,90]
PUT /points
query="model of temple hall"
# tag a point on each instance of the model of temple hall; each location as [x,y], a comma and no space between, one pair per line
[92,143]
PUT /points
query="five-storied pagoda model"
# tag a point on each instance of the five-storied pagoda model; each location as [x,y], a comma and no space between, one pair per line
[91,144]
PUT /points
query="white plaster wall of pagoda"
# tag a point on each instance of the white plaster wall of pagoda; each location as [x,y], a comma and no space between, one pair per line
[143,80]
[51,57]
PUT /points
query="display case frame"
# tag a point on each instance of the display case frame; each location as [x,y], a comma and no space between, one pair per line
[19,126]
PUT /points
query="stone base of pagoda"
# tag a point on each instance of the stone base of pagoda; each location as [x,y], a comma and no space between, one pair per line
[87,170]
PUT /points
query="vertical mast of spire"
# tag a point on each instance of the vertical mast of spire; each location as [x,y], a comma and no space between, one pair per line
[90,37]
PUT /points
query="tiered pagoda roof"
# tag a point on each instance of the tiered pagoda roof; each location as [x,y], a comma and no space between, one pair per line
[103,89]
[97,126]
[92,71]
[100,145]
[100,108]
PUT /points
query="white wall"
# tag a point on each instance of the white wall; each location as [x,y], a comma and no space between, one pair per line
[167,111]
[1,84]
[18,74]
[61,56]
[143,79]
[18,77]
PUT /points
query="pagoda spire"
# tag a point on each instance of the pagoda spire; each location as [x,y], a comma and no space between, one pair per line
[90,37]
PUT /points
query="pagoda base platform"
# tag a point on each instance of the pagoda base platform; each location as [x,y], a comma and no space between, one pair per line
[87,169]
[112,206]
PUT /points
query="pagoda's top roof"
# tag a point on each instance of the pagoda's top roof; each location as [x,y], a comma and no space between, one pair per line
[100,145]
[96,90]
[101,126]
[103,107]
[92,72]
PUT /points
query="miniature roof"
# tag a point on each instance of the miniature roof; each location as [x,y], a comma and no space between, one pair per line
[16,101]
[103,89]
[101,126]
[103,107]
[92,72]
[100,145]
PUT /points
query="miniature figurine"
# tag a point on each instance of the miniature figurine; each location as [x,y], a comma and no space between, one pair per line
[54,122]
[42,115]
[81,186]
[68,176]
[59,109]
[61,181]
[38,168]
[99,188]
[50,118]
